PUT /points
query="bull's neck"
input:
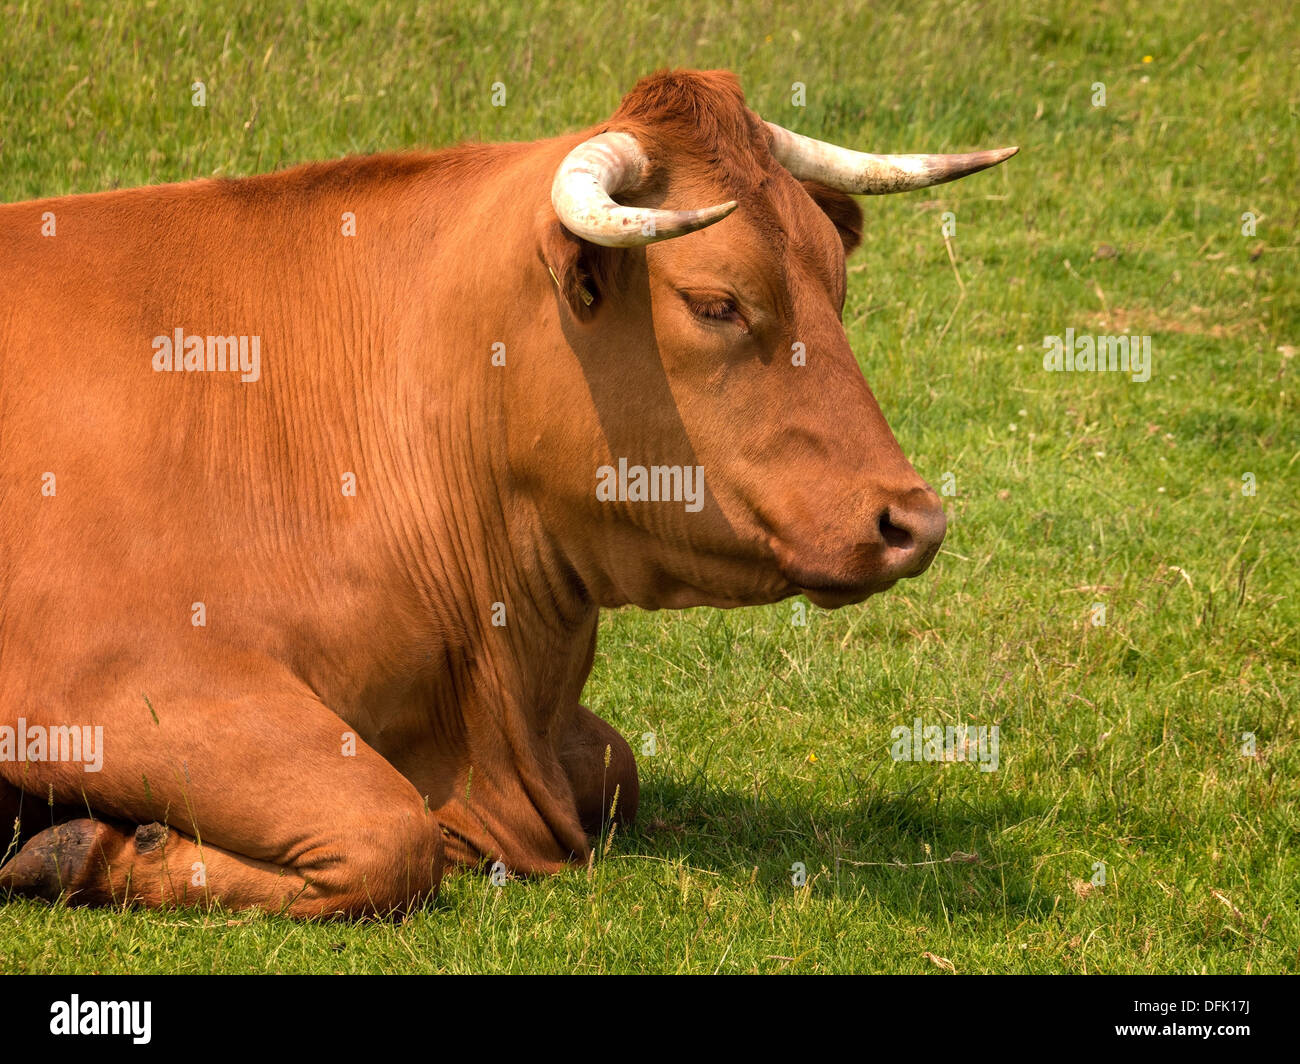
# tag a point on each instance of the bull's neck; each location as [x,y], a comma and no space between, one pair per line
[401,389]
[477,550]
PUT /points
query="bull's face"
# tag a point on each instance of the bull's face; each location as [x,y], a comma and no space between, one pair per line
[814,489]
[720,348]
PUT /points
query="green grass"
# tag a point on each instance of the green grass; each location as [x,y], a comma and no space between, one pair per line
[1119,744]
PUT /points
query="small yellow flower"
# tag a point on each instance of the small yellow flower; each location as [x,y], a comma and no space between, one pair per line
[812,758]
[767,39]
[1147,59]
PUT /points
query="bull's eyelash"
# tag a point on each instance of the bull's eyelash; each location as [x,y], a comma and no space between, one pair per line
[721,309]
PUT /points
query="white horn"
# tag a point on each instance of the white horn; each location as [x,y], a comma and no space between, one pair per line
[870,175]
[598,168]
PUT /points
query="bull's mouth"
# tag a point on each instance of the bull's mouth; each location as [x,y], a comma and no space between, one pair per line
[832,597]
[852,575]
[831,586]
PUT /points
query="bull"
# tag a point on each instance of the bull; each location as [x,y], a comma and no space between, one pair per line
[332,613]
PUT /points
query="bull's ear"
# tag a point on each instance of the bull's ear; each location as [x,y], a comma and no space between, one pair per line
[840,208]
[573,266]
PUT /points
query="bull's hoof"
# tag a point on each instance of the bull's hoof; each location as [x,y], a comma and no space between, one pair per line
[58,861]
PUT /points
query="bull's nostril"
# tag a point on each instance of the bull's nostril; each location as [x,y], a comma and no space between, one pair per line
[894,535]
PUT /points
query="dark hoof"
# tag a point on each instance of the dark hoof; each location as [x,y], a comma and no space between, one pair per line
[54,862]
[149,837]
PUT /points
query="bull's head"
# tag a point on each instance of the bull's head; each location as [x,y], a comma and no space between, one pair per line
[711,337]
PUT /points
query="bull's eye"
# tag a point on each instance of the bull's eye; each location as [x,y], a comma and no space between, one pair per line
[719,311]
[716,309]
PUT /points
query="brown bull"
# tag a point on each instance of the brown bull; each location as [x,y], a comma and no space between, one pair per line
[312,485]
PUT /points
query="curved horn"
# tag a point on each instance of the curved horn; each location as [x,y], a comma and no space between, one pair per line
[601,166]
[871,175]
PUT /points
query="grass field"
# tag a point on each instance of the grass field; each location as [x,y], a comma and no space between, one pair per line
[1120,743]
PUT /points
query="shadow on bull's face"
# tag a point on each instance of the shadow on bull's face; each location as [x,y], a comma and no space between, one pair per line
[722,355]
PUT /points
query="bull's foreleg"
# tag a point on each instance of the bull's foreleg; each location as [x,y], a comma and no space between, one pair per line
[582,751]
[93,862]
[270,803]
